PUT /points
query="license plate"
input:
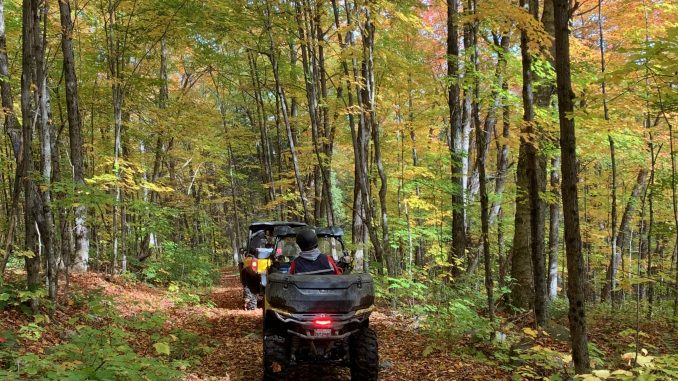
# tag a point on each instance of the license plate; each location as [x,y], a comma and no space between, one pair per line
[325,332]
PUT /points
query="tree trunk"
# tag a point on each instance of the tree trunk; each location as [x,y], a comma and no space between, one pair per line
[80,262]
[30,113]
[310,35]
[674,202]
[482,136]
[14,132]
[12,127]
[359,234]
[568,146]
[624,231]
[283,103]
[500,100]
[419,250]
[456,139]
[554,226]
[650,228]
[522,263]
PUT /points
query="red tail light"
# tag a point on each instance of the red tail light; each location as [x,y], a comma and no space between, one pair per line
[322,322]
[254,264]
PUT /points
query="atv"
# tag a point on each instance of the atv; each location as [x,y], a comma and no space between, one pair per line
[319,319]
[255,258]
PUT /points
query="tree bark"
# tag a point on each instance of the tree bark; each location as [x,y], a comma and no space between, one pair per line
[523,288]
[81,260]
[568,146]
[30,113]
[623,232]
[482,135]
[554,226]
[456,139]
[14,132]
[12,127]
[500,100]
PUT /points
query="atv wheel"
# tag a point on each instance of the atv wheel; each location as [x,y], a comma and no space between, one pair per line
[250,299]
[275,358]
[364,355]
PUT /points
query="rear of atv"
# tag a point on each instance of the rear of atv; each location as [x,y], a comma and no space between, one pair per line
[255,258]
[319,319]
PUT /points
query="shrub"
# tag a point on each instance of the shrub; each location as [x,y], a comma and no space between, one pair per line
[93,354]
[181,264]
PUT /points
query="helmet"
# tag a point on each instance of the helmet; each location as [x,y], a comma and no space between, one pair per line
[307,239]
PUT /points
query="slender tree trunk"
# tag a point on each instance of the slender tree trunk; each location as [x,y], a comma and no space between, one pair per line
[674,202]
[482,135]
[370,107]
[14,132]
[456,139]
[309,30]
[12,127]
[533,168]
[568,146]
[523,289]
[624,231]
[419,257]
[75,136]
[30,113]
[554,227]
[359,233]
[273,57]
[650,228]
[500,102]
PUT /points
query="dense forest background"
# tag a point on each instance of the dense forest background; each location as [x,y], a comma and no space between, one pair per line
[141,137]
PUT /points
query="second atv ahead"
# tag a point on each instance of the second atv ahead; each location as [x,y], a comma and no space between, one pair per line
[319,319]
[255,258]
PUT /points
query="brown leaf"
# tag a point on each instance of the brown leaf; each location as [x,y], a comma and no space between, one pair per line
[276,367]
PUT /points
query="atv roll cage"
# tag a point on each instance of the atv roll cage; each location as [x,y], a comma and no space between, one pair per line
[320,319]
[327,237]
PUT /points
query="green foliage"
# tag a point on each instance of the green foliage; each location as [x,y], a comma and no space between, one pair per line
[444,312]
[182,297]
[557,308]
[94,351]
[181,264]
[16,295]
[93,354]
[537,361]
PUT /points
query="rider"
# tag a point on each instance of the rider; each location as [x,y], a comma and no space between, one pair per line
[311,260]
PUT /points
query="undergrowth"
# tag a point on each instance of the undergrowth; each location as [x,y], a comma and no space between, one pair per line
[100,344]
[453,315]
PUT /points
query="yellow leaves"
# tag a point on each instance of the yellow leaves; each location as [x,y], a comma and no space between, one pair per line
[642,360]
[25,254]
[530,332]
[415,202]
[129,177]
[603,374]
[155,187]
[504,15]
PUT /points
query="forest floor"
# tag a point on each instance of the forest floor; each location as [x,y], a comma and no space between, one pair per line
[221,341]
[226,340]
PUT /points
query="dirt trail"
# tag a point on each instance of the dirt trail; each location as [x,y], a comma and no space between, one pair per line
[236,335]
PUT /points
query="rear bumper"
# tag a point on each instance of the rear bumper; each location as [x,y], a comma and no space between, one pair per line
[343,325]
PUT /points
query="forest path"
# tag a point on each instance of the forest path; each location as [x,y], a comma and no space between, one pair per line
[236,335]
